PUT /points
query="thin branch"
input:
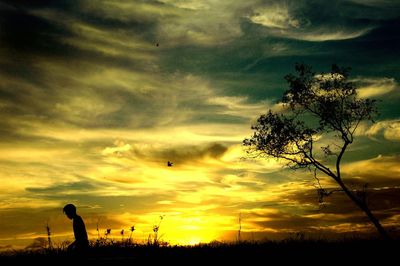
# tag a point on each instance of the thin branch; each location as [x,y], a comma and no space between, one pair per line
[355,127]
[320,166]
[321,191]
[340,158]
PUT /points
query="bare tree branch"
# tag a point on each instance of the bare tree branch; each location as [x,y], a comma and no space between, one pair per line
[318,104]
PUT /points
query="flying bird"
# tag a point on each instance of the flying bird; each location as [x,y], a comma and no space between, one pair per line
[169,164]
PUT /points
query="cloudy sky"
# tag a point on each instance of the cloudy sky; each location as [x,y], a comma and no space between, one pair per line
[96,97]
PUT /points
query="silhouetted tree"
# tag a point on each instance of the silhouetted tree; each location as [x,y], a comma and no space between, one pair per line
[314,106]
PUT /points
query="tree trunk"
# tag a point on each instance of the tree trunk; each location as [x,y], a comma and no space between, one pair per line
[366,210]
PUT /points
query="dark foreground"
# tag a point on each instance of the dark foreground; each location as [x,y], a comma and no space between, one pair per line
[268,253]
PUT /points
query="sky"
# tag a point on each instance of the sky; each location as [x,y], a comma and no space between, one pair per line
[97,96]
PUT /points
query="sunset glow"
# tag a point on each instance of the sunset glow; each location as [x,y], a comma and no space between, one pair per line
[97,96]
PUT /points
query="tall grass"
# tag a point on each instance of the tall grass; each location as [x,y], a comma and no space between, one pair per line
[311,251]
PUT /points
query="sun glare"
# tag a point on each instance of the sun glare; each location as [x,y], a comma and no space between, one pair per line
[194,241]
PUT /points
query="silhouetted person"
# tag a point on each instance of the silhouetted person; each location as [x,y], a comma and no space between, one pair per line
[81,242]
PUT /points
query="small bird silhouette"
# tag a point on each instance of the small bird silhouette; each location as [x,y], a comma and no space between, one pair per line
[169,164]
[157,44]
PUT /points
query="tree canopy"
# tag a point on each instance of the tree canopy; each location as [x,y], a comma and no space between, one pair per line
[313,106]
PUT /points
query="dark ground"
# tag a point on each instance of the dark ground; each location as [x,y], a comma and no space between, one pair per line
[361,252]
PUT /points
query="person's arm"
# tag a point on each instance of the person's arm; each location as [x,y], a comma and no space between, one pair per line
[71,246]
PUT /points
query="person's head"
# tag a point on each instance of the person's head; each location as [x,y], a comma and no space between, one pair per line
[70,210]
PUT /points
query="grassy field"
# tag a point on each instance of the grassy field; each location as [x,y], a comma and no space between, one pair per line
[294,251]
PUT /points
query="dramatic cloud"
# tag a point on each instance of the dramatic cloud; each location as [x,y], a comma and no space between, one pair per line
[389,129]
[379,169]
[97,96]
[290,19]
[371,87]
